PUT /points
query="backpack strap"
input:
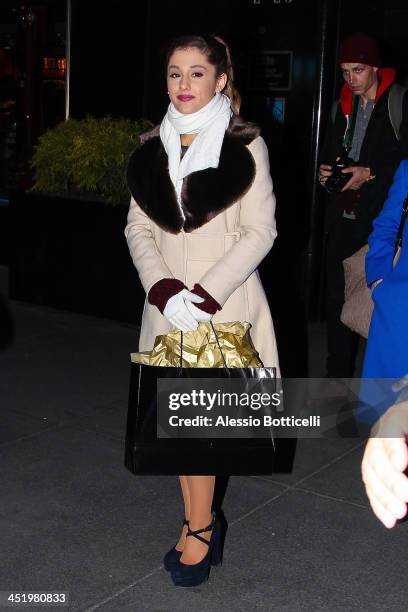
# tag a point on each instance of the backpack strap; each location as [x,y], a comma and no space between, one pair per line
[333,111]
[398,240]
[350,123]
[395,103]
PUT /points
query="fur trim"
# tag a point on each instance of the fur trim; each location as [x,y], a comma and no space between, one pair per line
[245,130]
[150,133]
[205,193]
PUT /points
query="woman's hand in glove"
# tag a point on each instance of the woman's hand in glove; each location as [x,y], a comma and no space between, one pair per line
[198,314]
[177,312]
[209,305]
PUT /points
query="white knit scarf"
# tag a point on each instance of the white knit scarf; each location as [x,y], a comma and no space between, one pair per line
[210,123]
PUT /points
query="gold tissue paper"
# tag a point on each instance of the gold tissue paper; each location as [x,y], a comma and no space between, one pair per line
[200,348]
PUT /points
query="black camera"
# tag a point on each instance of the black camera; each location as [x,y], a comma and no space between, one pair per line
[337,180]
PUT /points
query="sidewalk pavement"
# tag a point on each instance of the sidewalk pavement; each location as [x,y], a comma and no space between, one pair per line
[74,519]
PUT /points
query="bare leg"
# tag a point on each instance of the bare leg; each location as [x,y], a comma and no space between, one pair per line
[186,499]
[201,491]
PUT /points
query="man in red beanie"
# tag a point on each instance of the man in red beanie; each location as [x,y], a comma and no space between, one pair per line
[368,131]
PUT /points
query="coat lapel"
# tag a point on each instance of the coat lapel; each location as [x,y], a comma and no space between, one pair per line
[205,194]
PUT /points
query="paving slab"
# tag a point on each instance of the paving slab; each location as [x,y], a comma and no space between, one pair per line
[74,519]
[299,553]
[15,425]
[341,479]
[109,420]
[67,372]
[310,456]
[31,321]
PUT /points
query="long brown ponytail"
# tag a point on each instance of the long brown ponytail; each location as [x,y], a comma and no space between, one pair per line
[230,90]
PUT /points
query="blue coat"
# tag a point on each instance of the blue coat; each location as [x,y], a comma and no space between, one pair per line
[387,345]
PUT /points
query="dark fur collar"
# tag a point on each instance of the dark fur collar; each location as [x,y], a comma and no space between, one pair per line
[205,193]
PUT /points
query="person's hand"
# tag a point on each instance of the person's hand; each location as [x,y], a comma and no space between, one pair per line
[209,305]
[359,176]
[324,172]
[177,313]
[384,462]
[198,314]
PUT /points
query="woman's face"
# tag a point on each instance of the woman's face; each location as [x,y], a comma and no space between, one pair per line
[192,80]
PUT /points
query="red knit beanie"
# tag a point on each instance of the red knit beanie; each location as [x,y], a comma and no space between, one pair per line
[359,48]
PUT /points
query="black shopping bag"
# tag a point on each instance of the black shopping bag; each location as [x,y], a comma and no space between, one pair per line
[146,453]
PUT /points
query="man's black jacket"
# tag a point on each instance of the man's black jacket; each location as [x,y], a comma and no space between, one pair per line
[380,151]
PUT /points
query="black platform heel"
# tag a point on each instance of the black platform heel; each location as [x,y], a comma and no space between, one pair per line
[173,555]
[218,549]
[193,575]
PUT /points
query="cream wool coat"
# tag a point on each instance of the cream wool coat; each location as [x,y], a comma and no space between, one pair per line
[221,254]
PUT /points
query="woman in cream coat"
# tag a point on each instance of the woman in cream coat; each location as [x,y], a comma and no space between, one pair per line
[208,241]
[227,235]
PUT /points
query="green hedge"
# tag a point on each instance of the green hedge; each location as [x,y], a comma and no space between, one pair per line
[87,157]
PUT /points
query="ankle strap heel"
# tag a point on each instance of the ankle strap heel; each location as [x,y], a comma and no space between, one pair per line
[193,575]
[187,575]
[197,531]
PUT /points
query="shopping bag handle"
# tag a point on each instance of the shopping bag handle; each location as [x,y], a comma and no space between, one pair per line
[216,337]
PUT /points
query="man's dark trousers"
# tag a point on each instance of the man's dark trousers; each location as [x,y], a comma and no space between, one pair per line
[343,240]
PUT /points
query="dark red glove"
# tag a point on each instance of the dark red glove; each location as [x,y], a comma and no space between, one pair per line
[163,290]
[209,305]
